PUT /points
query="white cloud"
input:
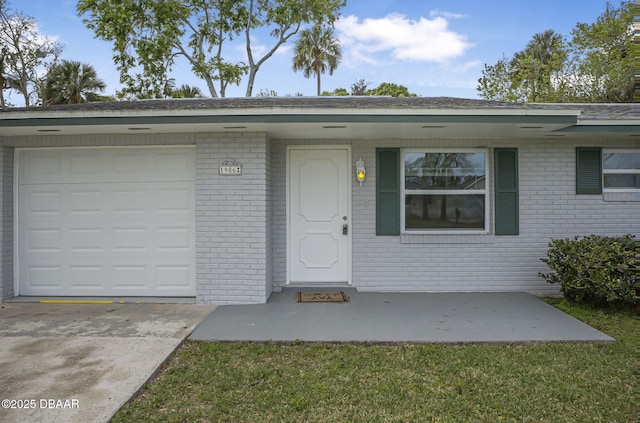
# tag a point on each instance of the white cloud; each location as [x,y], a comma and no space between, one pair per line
[468,66]
[403,39]
[448,15]
[284,49]
[257,49]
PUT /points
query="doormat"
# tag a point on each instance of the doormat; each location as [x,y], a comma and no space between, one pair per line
[322,297]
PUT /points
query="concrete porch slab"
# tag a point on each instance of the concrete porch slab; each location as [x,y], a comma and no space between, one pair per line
[403,318]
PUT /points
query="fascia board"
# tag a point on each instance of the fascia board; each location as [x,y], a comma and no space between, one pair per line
[284,119]
[282,111]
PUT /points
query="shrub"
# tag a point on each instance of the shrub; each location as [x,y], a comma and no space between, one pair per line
[594,269]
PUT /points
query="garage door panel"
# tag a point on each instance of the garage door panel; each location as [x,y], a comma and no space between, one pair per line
[173,276]
[44,240]
[173,239]
[130,162]
[82,201]
[161,165]
[110,236]
[40,166]
[42,203]
[87,240]
[45,276]
[85,164]
[87,277]
[131,239]
[173,200]
[129,200]
[128,277]
[176,162]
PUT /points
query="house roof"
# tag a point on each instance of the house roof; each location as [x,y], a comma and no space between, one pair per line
[368,117]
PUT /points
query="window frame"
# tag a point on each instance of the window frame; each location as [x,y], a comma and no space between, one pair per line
[446,231]
[618,171]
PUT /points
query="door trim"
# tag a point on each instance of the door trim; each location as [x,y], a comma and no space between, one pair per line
[348,185]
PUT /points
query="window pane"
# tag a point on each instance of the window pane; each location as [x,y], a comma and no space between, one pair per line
[621,161]
[429,171]
[444,212]
[621,180]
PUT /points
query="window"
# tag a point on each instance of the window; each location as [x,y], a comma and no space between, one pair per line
[621,171]
[444,191]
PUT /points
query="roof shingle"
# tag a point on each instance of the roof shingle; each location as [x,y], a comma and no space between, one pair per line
[622,111]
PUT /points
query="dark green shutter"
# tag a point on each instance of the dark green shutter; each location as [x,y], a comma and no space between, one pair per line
[507,197]
[588,170]
[388,191]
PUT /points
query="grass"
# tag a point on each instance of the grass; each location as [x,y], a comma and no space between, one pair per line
[556,382]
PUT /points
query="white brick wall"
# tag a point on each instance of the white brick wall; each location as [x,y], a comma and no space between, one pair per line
[233,252]
[241,220]
[549,209]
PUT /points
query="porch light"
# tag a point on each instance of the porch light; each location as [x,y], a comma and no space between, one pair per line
[360,171]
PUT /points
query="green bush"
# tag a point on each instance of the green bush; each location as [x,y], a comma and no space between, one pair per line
[594,269]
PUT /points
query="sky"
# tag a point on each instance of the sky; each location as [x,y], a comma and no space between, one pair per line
[433,47]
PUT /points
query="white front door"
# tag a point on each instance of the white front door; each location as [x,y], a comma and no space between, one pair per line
[319,249]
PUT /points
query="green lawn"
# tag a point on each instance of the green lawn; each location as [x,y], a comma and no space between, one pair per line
[231,382]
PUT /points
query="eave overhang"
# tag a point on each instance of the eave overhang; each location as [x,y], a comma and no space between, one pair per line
[311,118]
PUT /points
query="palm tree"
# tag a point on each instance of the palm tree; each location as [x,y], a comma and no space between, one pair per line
[187,91]
[544,45]
[316,51]
[536,64]
[72,82]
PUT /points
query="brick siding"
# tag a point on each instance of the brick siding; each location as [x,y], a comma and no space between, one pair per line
[241,220]
[233,235]
[549,208]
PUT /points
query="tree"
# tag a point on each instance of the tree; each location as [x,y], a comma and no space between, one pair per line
[496,83]
[187,91]
[267,93]
[596,65]
[24,54]
[4,83]
[149,35]
[338,92]
[532,75]
[391,89]
[635,8]
[359,87]
[536,68]
[285,17]
[601,68]
[316,51]
[71,82]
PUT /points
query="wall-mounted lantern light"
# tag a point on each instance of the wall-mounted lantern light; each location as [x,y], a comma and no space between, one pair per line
[360,171]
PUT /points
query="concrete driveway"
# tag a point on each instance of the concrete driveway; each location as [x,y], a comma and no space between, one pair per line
[82,362]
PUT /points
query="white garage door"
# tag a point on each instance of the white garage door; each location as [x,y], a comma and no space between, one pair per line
[106,221]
